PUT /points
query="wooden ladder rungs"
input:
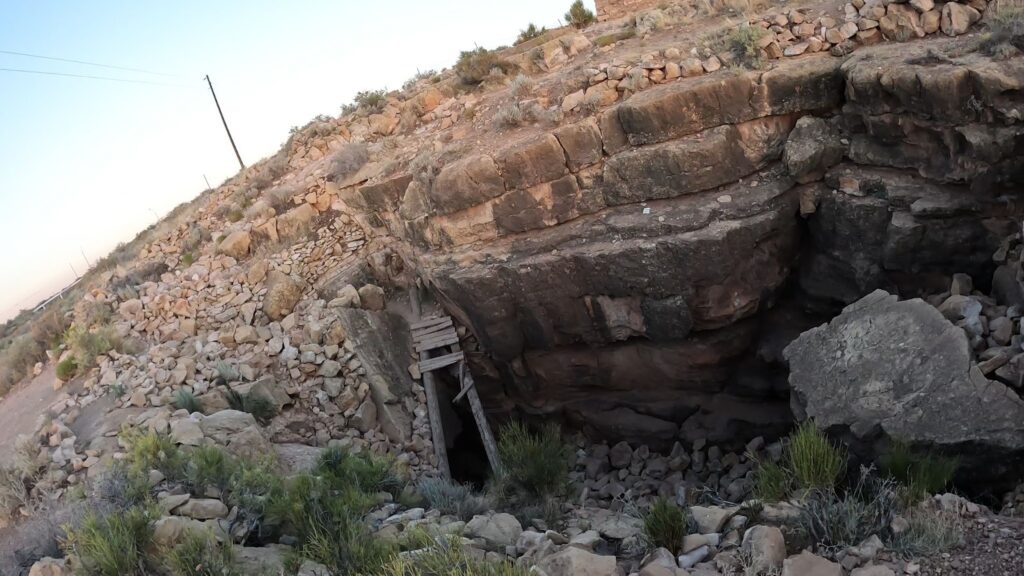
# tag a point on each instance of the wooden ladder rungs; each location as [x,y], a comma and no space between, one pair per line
[432,322]
[431,332]
[440,362]
[440,342]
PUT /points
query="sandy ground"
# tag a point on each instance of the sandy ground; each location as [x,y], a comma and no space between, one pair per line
[20,409]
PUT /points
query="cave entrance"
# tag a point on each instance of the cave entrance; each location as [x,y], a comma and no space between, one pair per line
[467,457]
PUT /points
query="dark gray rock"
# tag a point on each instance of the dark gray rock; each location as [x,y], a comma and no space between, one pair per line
[812,148]
[900,370]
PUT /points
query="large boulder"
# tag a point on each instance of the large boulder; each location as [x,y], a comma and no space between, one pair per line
[50,567]
[295,222]
[813,147]
[900,370]
[573,561]
[283,293]
[236,431]
[497,530]
[236,244]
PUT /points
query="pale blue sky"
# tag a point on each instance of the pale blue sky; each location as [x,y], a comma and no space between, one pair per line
[85,164]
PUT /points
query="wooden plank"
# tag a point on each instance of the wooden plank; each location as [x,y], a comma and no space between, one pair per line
[437,343]
[433,405]
[426,365]
[445,320]
[462,383]
[420,337]
[477,408]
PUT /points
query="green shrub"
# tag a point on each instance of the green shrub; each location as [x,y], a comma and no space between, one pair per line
[185,400]
[452,498]
[529,33]
[14,492]
[372,101]
[366,473]
[579,16]
[67,368]
[151,451]
[26,456]
[813,461]
[665,525]
[832,522]
[535,466]
[447,557]
[201,554]
[112,545]
[123,487]
[209,467]
[521,86]
[742,43]
[475,65]
[920,474]
[1005,37]
[411,83]
[254,483]
[187,259]
[772,482]
[347,160]
[929,533]
[88,345]
[18,359]
[118,389]
[326,516]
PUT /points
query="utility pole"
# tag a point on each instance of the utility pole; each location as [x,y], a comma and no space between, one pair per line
[205,179]
[73,270]
[226,129]
[84,257]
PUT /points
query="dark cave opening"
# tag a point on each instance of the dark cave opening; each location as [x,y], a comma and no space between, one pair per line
[467,457]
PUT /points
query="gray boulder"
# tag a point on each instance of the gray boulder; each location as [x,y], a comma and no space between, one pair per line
[812,148]
[885,369]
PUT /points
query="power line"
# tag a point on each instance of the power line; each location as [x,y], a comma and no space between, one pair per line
[69,75]
[54,58]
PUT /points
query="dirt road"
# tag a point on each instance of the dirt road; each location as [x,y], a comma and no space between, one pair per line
[20,409]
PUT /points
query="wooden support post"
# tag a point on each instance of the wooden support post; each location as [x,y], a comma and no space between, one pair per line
[433,406]
[481,421]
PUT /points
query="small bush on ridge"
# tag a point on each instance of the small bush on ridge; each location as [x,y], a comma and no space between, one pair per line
[742,42]
[1006,33]
[579,16]
[529,33]
[475,65]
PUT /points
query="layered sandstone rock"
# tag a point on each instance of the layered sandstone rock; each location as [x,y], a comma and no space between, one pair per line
[617,270]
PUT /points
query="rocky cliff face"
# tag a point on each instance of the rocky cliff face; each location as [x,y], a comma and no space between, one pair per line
[621,271]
